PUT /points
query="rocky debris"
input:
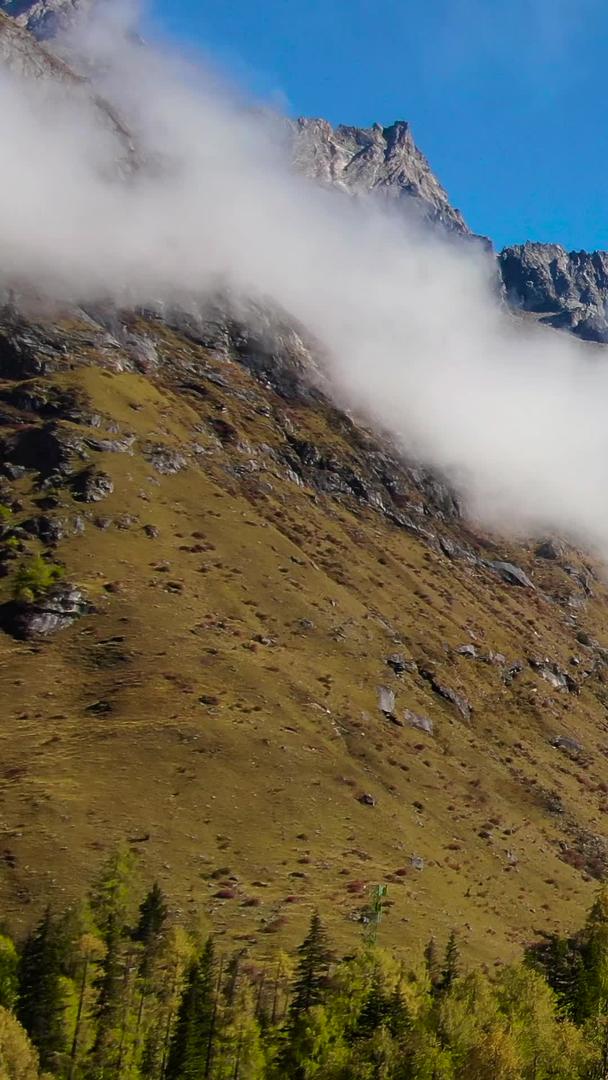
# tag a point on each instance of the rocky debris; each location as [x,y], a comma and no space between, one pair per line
[550,549]
[386,701]
[554,674]
[50,530]
[367,800]
[423,723]
[446,692]
[92,485]
[586,852]
[417,862]
[152,531]
[398,663]
[384,161]
[49,449]
[551,800]
[568,288]
[582,577]
[510,573]
[567,743]
[467,650]
[165,460]
[111,446]
[58,609]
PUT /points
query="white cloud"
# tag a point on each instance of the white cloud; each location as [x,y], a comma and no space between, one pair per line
[414,334]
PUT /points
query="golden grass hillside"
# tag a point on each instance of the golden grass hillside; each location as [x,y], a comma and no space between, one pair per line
[219,708]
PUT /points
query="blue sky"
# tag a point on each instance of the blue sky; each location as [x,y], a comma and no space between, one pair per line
[507,98]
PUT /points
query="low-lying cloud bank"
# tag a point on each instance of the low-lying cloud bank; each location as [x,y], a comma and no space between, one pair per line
[414,334]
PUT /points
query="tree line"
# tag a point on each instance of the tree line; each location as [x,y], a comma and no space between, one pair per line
[113,990]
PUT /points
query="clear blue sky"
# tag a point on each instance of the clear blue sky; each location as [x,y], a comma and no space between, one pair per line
[507,98]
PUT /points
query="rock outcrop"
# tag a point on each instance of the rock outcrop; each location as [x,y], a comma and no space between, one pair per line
[43,18]
[569,289]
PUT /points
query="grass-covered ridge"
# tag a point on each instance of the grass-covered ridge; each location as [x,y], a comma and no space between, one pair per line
[219,706]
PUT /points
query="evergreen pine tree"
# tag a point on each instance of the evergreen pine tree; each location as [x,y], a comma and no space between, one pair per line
[148,934]
[398,1020]
[111,988]
[376,1010]
[314,958]
[191,1049]
[433,967]
[451,965]
[41,1004]
[153,914]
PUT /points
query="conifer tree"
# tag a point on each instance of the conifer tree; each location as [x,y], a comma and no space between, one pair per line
[377,1008]
[314,958]
[41,1005]
[153,914]
[191,1049]
[432,964]
[114,973]
[451,965]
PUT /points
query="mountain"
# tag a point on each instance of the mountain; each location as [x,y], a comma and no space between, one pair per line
[568,289]
[384,161]
[278,656]
[239,632]
[43,18]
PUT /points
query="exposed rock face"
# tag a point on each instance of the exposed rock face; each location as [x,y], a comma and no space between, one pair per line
[61,606]
[569,288]
[382,160]
[43,18]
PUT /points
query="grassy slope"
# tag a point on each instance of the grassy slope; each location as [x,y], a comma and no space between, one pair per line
[262,776]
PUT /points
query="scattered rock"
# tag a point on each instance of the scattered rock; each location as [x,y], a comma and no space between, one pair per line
[550,549]
[165,460]
[49,530]
[467,650]
[554,674]
[400,665]
[367,800]
[423,723]
[512,574]
[417,862]
[567,743]
[152,532]
[386,701]
[92,485]
[61,606]
[448,694]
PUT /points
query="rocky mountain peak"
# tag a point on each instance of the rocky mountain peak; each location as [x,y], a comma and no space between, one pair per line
[381,160]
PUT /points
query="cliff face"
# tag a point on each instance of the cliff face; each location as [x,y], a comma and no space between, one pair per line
[384,161]
[568,288]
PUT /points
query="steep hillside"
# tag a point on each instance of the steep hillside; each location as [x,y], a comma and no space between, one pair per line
[299,672]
